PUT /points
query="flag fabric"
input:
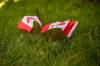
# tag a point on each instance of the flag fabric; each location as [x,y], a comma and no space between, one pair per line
[67,27]
[27,23]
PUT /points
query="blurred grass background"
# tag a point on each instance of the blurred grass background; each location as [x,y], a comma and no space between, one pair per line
[18,48]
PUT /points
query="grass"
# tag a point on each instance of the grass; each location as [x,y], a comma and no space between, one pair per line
[18,48]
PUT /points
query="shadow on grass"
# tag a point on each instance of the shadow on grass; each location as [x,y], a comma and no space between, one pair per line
[53,35]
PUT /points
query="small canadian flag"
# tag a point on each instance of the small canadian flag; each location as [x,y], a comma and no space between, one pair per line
[67,27]
[27,23]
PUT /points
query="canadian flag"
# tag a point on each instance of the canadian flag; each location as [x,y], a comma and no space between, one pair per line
[27,23]
[67,27]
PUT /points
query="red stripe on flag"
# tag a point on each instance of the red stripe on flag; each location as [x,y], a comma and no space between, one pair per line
[45,28]
[23,26]
[68,27]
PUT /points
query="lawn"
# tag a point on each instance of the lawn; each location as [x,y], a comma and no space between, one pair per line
[18,48]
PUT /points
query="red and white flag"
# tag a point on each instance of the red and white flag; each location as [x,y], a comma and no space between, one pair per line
[67,27]
[27,23]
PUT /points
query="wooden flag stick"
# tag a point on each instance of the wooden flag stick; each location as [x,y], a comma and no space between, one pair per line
[38,14]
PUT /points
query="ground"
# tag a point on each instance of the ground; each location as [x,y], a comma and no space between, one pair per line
[18,48]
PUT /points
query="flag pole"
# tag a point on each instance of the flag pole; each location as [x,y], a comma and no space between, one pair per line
[38,14]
